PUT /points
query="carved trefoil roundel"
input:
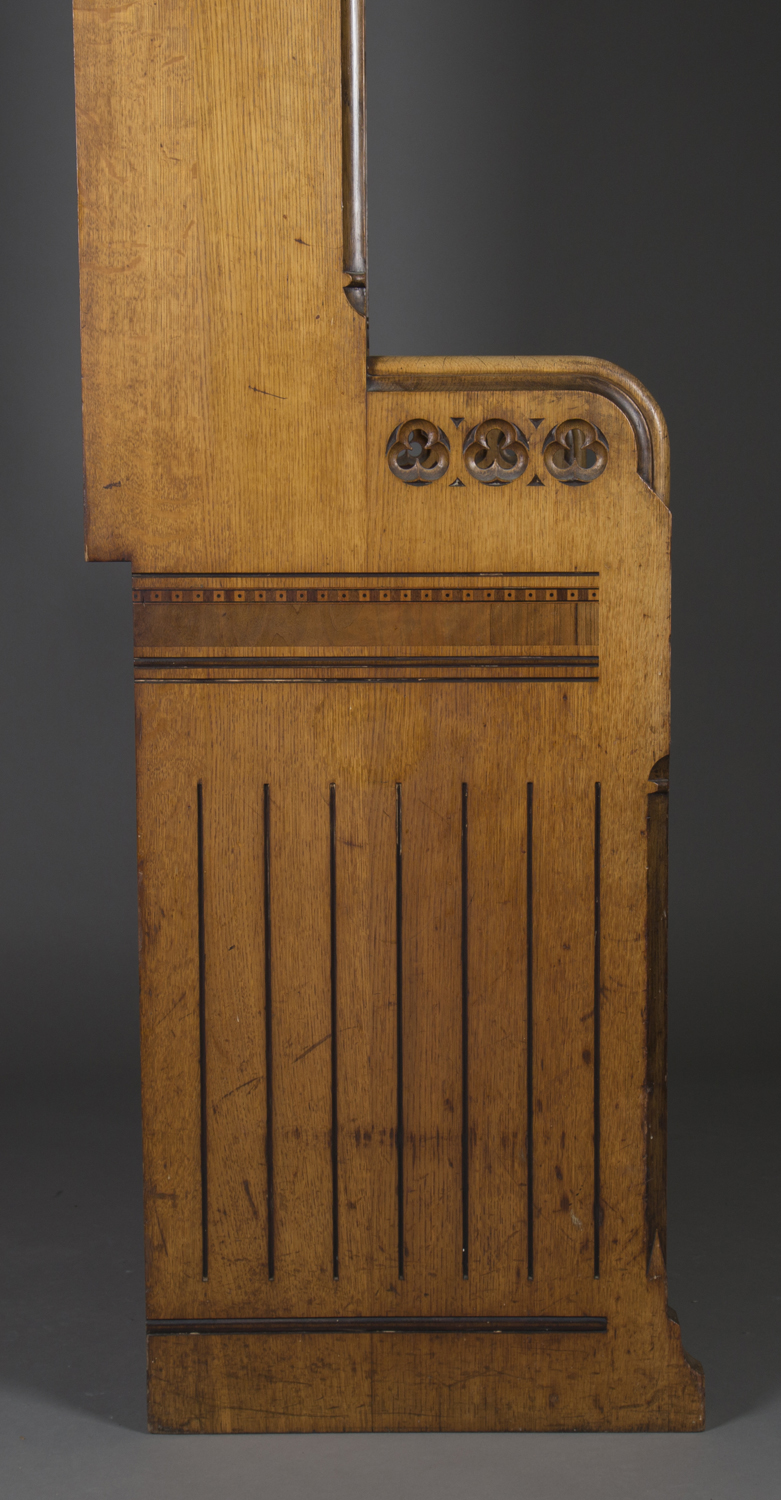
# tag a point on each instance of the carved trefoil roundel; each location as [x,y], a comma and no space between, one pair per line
[575,452]
[418,452]
[496,451]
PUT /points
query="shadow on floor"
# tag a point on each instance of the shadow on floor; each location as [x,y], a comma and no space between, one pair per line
[72,1247]
[725,1228]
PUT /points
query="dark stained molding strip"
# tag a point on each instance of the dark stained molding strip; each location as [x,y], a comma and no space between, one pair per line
[169,1326]
[593,375]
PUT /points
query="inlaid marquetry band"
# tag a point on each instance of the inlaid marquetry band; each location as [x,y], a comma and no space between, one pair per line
[367,596]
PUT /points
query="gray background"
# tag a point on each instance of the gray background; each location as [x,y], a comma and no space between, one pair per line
[543,179]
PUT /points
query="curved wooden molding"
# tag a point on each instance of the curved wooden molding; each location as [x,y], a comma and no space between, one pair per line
[563,373]
[354,152]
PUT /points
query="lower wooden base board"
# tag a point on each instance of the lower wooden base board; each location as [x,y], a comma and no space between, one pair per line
[399,1382]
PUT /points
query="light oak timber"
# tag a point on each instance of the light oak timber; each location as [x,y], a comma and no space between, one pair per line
[425,1382]
[381,930]
[223,367]
[386,627]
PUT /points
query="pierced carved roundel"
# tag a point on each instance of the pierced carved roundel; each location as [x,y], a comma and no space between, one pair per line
[575,452]
[496,452]
[418,452]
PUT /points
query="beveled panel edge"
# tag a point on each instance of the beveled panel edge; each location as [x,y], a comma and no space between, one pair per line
[520,373]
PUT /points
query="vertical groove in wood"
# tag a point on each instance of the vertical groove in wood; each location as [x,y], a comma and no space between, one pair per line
[465,1029]
[334,1079]
[399,1036]
[202,1044]
[268,1028]
[597,1013]
[529,1032]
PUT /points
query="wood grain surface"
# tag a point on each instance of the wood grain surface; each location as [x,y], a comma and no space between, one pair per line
[401,637]
[223,367]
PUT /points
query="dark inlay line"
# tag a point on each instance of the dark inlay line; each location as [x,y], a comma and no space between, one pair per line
[334,1096]
[465,1030]
[589,663]
[399,1039]
[378,1325]
[202,1044]
[597,1015]
[529,1032]
[481,578]
[269,1033]
[205,663]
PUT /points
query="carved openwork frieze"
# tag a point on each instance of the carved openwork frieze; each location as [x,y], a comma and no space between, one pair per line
[496,452]
[575,452]
[418,452]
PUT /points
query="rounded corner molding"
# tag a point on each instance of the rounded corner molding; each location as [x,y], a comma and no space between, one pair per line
[556,373]
[496,452]
[575,451]
[418,452]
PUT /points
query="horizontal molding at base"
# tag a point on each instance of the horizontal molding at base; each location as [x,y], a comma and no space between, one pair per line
[377,1325]
[452,1380]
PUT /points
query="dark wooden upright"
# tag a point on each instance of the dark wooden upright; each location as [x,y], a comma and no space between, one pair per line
[401,655]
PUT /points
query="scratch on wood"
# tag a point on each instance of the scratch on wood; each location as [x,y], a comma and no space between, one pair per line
[314,1045]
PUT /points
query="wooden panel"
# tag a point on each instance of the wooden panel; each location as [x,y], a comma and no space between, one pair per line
[431,1006]
[392,1382]
[366,1009]
[333,884]
[388,628]
[233,1384]
[563,1010]
[549,526]
[401,885]
[463,755]
[496,1019]
[223,365]
[169,768]
[301,1008]
[234,1021]
[495,1383]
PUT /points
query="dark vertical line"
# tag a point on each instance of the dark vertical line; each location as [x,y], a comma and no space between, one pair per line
[202,1044]
[334,1096]
[399,1039]
[465,1029]
[597,1016]
[529,1031]
[269,1034]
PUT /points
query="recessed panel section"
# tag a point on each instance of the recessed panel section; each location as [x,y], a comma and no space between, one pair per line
[373,621]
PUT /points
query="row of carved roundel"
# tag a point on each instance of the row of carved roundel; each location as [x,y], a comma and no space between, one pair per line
[497,452]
